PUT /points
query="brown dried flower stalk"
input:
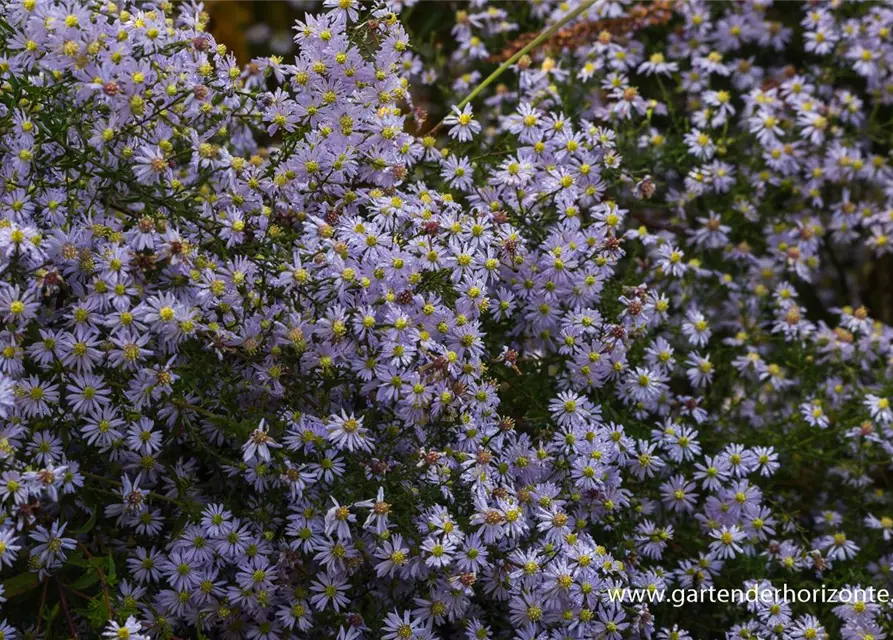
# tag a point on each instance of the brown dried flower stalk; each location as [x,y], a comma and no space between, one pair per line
[640,16]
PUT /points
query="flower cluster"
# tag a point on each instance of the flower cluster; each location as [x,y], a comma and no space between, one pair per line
[279,359]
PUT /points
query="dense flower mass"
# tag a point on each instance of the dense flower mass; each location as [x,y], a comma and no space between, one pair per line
[280,359]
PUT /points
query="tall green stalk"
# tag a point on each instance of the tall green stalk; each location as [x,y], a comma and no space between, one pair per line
[545,35]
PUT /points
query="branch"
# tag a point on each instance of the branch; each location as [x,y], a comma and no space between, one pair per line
[72,628]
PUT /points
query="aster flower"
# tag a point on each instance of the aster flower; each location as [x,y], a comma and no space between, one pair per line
[51,545]
[726,541]
[879,408]
[398,626]
[258,444]
[570,409]
[7,395]
[462,124]
[131,629]
[151,166]
[8,547]
[670,260]
[328,591]
[347,432]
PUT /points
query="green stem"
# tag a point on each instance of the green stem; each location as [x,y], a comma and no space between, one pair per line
[545,35]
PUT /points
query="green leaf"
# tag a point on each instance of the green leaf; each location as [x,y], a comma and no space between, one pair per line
[110,570]
[98,612]
[89,524]
[77,559]
[22,583]
[85,581]
[51,616]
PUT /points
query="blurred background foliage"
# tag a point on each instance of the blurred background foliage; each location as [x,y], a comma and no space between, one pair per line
[252,28]
[229,23]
